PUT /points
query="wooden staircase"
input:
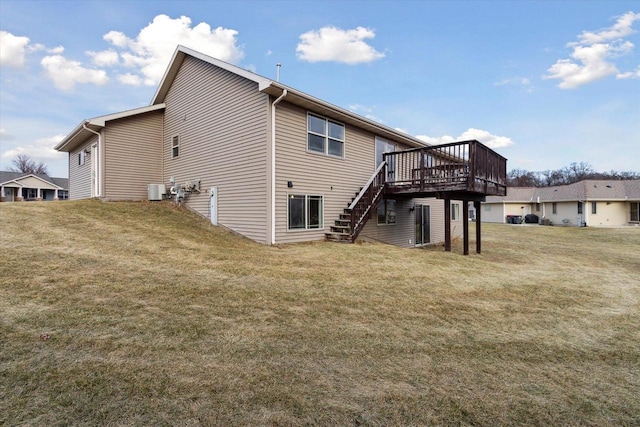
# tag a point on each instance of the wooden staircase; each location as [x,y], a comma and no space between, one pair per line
[354,217]
[341,231]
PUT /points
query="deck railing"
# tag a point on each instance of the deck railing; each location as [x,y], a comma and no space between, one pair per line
[460,166]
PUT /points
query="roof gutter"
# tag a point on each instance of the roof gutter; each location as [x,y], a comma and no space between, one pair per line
[273,165]
[99,171]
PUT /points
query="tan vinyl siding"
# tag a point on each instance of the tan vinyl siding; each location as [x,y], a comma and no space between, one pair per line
[80,175]
[221,120]
[133,156]
[337,180]
[395,234]
[403,230]
[494,212]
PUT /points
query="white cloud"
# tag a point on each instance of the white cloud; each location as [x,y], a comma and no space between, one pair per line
[130,79]
[65,73]
[629,74]
[593,53]
[40,151]
[116,38]
[12,49]
[334,44]
[487,138]
[149,53]
[105,58]
[55,51]
[4,135]
[622,28]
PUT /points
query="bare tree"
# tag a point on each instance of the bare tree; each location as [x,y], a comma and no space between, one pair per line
[25,164]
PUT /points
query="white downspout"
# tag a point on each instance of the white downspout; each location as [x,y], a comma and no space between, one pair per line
[99,171]
[273,165]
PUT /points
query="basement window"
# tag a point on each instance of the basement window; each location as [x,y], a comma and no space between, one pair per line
[304,212]
[455,211]
[387,212]
[175,146]
[325,136]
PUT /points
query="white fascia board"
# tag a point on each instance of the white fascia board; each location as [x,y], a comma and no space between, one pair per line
[178,58]
[102,120]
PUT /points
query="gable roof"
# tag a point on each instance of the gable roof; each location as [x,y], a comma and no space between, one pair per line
[9,177]
[276,89]
[80,133]
[590,189]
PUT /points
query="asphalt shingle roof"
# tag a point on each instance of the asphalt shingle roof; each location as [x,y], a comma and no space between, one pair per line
[590,189]
[6,176]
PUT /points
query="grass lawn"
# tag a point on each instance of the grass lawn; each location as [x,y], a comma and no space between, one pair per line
[143,314]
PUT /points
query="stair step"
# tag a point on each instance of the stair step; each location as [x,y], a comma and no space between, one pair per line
[341,229]
[338,237]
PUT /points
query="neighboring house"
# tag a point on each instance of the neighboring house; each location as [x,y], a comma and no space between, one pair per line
[19,186]
[275,164]
[585,203]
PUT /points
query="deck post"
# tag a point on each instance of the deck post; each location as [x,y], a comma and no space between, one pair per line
[447,225]
[465,226]
[476,205]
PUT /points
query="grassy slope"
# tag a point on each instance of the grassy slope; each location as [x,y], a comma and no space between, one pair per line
[157,318]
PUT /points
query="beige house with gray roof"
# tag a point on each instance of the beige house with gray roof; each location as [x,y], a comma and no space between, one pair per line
[20,186]
[275,164]
[597,203]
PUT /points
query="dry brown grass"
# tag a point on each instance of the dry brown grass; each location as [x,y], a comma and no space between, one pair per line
[157,318]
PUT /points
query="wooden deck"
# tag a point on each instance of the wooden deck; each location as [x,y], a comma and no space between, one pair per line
[469,170]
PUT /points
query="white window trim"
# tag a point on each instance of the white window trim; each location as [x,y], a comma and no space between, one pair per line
[306,214]
[174,137]
[82,157]
[326,136]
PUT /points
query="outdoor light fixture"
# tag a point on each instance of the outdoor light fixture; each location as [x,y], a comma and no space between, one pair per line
[290,184]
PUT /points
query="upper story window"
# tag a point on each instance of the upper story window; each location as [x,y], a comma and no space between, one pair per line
[325,136]
[175,146]
[81,157]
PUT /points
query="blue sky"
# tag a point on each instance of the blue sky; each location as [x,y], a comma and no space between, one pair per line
[544,83]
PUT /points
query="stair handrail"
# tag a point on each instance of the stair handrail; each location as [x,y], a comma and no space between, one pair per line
[364,189]
[375,185]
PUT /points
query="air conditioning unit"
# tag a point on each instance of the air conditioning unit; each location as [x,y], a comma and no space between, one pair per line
[156,192]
